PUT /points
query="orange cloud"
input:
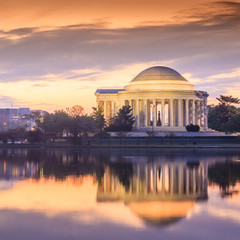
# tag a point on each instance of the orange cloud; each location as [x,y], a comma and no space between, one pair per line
[124,13]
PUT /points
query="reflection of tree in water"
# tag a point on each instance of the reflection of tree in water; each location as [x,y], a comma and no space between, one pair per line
[225,175]
[73,163]
[57,163]
[124,171]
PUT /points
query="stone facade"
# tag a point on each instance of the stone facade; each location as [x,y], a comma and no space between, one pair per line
[160,98]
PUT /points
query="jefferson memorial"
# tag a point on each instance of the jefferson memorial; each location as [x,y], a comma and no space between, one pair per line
[160,98]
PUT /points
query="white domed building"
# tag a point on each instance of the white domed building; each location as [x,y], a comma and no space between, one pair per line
[160,98]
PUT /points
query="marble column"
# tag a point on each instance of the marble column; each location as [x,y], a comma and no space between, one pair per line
[205,114]
[187,111]
[180,111]
[193,112]
[163,112]
[201,114]
[112,108]
[154,117]
[145,113]
[171,112]
[130,103]
[137,113]
[198,113]
[105,110]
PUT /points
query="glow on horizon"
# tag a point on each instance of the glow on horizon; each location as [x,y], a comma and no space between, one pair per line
[55,54]
[54,198]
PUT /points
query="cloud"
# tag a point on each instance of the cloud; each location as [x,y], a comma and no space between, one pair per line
[235,73]
[40,85]
[202,43]
[8,101]
[214,15]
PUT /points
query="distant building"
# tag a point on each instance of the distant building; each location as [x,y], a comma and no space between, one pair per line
[15,117]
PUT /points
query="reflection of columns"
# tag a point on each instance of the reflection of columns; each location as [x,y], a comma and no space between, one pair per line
[105,109]
[205,177]
[187,181]
[145,113]
[146,179]
[105,182]
[180,180]
[180,122]
[163,112]
[198,113]
[171,179]
[171,112]
[154,116]
[163,179]
[138,179]
[113,184]
[193,112]
[154,178]
[194,180]
[137,113]
[199,180]
[187,112]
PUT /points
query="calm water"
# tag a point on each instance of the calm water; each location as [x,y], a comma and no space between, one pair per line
[119,194]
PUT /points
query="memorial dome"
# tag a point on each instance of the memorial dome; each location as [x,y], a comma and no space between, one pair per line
[158,78]
[158,73]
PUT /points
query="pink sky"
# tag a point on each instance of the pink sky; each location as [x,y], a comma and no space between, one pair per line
[55,53]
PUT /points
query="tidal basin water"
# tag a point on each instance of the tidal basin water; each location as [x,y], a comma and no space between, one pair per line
[119,194]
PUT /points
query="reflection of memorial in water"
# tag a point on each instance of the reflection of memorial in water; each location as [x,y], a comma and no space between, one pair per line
[159,192]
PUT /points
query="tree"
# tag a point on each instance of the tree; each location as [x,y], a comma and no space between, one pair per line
[224,174]
[219,115]
[4,136]
[192,128]
[99,119]
[20,134]
[228,100]
[123,121]
[81,125]
[233,125]
[34,136]
[53,123]
[75,111]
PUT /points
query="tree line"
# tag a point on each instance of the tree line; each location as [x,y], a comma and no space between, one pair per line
[72,124]
[225,116]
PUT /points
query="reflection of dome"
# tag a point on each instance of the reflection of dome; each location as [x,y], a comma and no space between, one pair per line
[158,73]
[159,78]
[161,213]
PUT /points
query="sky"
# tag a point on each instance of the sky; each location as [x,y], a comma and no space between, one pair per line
[54,54]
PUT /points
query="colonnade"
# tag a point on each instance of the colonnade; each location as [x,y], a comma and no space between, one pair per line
[173,180]
[161,112]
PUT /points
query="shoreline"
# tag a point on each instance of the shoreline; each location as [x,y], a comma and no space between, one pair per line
[162,146]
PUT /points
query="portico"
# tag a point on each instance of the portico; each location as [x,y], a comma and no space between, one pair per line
[160,98]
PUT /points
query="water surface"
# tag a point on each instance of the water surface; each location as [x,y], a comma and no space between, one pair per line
[119,194]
